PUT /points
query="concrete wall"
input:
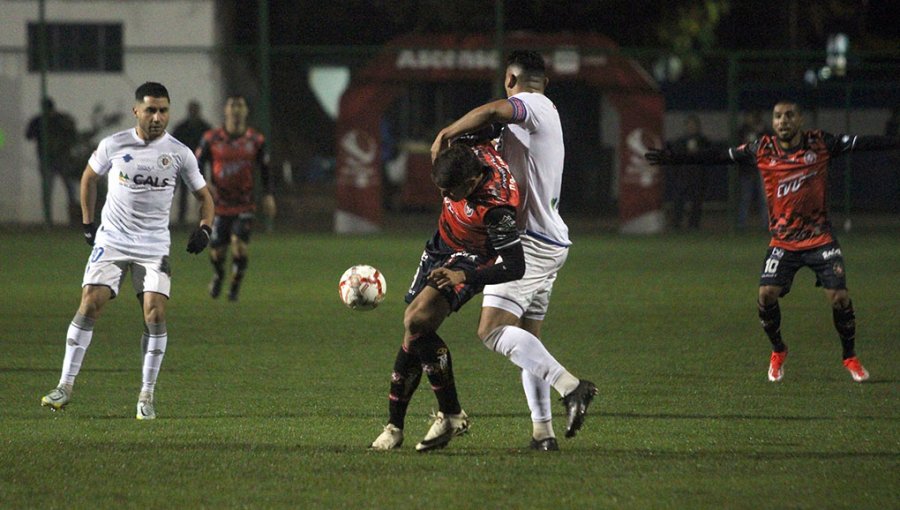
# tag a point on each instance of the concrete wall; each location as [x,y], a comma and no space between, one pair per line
[166,41]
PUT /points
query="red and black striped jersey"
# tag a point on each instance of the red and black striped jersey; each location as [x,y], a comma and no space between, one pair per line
[796,185]
[462,224]
[233,161]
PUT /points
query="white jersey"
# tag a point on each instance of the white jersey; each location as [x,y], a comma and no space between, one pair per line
[532,145]
[141,178]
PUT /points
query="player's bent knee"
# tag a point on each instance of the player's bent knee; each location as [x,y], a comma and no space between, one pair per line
[417,320]
[768,294]
[490,338]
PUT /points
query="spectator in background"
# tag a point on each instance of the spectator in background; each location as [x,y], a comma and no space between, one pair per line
[750,185]
[189,132]
[690,181]
[57,160]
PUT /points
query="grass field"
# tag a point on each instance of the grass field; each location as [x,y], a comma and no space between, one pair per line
[271,401]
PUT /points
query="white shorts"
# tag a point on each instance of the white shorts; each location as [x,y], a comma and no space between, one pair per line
[107,266]
[529,297]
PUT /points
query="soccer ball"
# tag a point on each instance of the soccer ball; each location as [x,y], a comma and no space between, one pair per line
[362,287]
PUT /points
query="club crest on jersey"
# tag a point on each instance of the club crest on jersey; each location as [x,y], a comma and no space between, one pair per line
[469,210]
[164,161]
[810,158]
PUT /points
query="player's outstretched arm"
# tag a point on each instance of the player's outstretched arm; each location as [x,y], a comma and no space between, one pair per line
[876,143]
[496,111]
[667,156]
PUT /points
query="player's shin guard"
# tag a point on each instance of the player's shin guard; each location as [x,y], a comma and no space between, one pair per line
[438,366]
[78,338]
[770,318]
[404,381]
[845,324]
[154,350]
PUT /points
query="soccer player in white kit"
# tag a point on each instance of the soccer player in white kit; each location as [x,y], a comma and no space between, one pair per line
[512,313]
[142,166]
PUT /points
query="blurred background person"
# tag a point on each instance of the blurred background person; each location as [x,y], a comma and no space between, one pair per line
[235,153]
[689,181]
[189,132]
[750,189]
[55,157]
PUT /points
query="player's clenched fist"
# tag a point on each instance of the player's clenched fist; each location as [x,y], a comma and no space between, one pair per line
[90,232]
[199,239]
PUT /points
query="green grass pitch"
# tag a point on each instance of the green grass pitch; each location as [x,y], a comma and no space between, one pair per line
[271,401]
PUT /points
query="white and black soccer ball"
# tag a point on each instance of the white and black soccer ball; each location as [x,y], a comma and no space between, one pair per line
[362,287]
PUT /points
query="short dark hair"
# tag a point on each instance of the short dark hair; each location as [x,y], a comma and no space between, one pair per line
[790,100]
[530,61]
[152,89]
[454,165]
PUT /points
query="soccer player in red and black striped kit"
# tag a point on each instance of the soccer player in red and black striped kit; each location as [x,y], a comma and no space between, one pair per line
[235,152]
[477,224]
[794,166]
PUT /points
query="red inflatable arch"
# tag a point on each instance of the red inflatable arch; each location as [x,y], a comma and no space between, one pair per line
[589,58]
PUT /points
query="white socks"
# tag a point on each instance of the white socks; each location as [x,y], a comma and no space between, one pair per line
[528,353]
[153,343]
[78,338]
[537,392]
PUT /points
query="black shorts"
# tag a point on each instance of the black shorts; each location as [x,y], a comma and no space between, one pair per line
[826,261]
[437,254]
[226,226]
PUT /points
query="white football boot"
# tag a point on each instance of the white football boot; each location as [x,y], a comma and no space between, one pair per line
[443,429]
[145,409]
[390,438]
[57,399]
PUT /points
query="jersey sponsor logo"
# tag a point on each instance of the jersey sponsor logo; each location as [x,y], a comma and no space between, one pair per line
[142,181]
[149,180]
[793,184]
[230,168]
[834,252]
